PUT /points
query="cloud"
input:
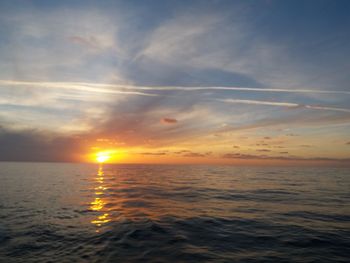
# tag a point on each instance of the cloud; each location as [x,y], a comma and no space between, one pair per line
[89,42]
[230,41]
[81,87]
[287,158]
[314,107]
[295,120]
[283,104]
[243,156]
[228,88]
[209,37]
[263,150]
[182,152]
[292,135]
[168,121]
[195,154]
[154,153]
[111,88]
[136,121]
[93,42]
[36,146]
[57,57]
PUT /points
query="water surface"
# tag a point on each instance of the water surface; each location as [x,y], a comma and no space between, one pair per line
[162,213]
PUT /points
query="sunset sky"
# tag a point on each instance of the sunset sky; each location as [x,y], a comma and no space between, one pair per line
[232,82]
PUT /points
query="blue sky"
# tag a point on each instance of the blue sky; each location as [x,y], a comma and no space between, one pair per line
[86,70]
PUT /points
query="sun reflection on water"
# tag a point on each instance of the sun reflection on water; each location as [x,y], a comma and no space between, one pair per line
[98,204]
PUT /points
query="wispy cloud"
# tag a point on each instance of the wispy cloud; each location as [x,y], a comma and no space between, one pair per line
[263,150]
[283,104]
[315,107]
[288,158]
[304,120]
[191,88]
[112,88]
[136,90]
[305,145]
[168,121]
[83,87]
[196,154]
[153,153]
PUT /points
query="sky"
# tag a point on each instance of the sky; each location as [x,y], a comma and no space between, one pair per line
[227,82]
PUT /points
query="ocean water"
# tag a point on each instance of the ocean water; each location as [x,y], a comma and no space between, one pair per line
[163,213]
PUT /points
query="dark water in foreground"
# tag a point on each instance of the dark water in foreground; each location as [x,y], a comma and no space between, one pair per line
[140,213]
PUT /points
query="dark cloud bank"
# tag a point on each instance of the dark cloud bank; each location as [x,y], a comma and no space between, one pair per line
[33,146]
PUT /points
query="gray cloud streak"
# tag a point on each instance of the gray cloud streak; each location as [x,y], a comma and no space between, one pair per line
[35,146]
[113,88]
[284,104]
[288,158]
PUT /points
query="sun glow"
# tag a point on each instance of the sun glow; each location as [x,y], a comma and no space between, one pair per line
[105,156]
[102,157]
[110,155]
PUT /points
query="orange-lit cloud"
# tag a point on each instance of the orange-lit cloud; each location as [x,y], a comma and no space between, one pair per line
[168,121]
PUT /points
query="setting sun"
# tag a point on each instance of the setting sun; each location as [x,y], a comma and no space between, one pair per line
[102,157]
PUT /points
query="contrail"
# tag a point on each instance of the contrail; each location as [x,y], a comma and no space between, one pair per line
[72,86]
[112,88]
[189,88]
[236,89]
[283,104]
[326,108]
[261,102]
[139,90]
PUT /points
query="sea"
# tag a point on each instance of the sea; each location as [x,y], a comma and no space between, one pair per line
[61,212]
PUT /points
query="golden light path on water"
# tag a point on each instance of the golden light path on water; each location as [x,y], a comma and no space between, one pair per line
[99,203]
[138,201]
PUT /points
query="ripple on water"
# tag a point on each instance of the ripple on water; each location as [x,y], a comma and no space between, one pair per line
[138,213]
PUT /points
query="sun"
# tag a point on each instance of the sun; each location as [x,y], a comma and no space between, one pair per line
[107,155]
[102,157]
